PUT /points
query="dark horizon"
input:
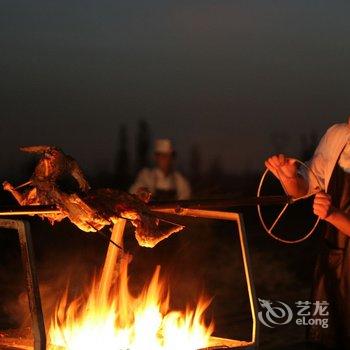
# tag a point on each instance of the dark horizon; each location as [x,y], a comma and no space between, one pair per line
[226,76]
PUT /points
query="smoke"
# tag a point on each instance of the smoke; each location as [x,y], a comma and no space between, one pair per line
[66,259]
[54,281]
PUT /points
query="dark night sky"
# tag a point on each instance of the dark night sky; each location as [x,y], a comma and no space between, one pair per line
[222,74]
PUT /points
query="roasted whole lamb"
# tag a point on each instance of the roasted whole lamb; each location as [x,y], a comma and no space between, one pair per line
[90,210]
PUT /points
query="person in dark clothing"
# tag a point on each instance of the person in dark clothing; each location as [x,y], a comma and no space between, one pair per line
[331,165]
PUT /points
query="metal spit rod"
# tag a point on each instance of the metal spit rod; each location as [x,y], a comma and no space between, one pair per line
[180,204]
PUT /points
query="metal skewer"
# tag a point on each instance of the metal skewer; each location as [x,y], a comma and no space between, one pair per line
[222,203]
[194,204]
[28,210]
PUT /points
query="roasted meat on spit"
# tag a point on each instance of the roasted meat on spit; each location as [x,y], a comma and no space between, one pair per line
[90,210]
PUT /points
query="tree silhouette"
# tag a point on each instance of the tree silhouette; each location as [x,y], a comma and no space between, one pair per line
[122,157]
[195,166]
[142,145]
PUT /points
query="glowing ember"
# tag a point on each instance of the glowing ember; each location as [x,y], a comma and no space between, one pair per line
[111,318]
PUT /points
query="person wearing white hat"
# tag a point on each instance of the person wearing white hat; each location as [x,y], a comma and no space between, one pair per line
[163,181]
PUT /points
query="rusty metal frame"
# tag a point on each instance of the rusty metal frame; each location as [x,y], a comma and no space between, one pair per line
[31,279]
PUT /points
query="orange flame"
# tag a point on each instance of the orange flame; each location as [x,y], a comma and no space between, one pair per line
[117,320]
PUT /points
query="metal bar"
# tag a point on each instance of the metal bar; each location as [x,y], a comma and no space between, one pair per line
[278,217]
[221,203]
[28,210]
[249,279]
[32,285]
[238,218]
[111,267]
[194,204]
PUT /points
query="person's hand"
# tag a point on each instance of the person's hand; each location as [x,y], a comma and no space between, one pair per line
[282,167]
[322,205]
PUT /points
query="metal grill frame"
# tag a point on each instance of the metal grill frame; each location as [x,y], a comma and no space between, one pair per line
[32,286]
[253,342]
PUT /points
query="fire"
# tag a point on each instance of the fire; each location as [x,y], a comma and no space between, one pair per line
[111,318]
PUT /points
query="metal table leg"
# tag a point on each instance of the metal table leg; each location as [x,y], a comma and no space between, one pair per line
[32,285]
[238,218]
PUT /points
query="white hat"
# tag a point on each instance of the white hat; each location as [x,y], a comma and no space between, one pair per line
[163,146]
